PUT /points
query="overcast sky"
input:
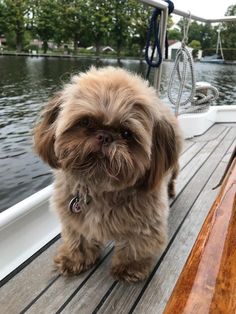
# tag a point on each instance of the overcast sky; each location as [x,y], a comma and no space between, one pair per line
[204,8]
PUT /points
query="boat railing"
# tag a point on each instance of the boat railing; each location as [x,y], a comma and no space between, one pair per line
[163,26]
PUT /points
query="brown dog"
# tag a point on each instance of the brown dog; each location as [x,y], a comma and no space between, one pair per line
[115,149]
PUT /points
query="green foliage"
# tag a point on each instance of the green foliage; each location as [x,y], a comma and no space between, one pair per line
[195,53]
[121,14]
[138,29]
[2,19]
[195,44]
[121,24]
[99,19]
[134,50]
[27,37]
[13,20]
[229,54]
[175,34]
[71,22]
[206,34]
[196,32]
[11,39]
[228,33]
[46,17]
[85,51]
[30,48]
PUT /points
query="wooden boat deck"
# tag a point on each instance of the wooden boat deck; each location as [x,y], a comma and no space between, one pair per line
[37,289]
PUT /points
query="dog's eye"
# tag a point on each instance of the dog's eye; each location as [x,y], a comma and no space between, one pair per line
[85,122]
[126,134]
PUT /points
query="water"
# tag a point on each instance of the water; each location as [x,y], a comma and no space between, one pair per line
[26,83]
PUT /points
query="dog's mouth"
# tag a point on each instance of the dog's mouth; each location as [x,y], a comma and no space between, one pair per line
[97,165]
[112,167]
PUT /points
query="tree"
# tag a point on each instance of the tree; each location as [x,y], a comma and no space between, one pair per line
[139,22]
[229,29]
[72,21]
[99,17]
[208,37]
[204,33]
[2,19]
[195,32]
[46,17]
[122,12]
[14,14]
[195,44]
[175,34]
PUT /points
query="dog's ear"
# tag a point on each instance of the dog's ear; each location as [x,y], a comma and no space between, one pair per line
[166,146]
[44,132]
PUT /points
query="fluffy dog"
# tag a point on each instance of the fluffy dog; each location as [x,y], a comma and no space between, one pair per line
[115,149]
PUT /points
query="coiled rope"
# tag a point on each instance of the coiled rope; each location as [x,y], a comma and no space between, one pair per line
[201,95]
[202,101]
[185,56]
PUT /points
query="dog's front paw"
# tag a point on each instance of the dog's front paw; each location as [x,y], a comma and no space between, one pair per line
[132,272]
[73,263]
[67,266]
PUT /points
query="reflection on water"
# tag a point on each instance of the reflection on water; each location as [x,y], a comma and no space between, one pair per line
[26,83]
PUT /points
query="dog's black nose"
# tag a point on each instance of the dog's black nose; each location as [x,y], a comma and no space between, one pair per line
[104,137]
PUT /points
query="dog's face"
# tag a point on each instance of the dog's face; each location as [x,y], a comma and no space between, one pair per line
[106,129]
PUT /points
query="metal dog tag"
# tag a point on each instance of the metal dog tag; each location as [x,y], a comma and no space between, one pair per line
[74,205]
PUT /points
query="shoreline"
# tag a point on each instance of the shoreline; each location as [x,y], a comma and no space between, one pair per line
[67,56]
[84,56]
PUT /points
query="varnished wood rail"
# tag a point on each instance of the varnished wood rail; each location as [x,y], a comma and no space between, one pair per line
[207,283]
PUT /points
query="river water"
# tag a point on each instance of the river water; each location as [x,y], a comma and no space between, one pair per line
[26,83]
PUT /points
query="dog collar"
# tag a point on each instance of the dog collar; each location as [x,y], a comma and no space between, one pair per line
[80,201]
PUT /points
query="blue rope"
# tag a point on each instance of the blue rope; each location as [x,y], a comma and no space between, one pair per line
[154,30]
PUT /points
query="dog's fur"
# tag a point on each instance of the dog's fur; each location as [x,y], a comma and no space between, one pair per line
[128,175]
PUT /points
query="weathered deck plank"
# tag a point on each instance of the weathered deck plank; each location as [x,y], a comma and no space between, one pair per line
[37,290]
[191,153]
[63,288]
[96,287]
[187,145]
[28,283]
[199,142]
[196,162]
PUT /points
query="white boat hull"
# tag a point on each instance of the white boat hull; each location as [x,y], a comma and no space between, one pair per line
[24,229]
[194,124]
